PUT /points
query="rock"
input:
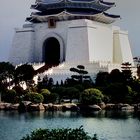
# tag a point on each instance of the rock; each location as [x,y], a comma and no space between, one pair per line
[70,106]
[138,106]
[127,107]
[14,106]
[41,107]
[102,105]
[57,107]
[7,106]
[118,106]
[94,107]
[35,107]
[46,106]
[2,106]
[50,107]
[32,107]
[110,106]
[26,103]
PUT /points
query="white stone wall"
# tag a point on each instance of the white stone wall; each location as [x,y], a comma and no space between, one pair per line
[100,42]
[77,42]
[122,51]
[22,50]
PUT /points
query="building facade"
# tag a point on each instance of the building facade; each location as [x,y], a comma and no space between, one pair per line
[66,33]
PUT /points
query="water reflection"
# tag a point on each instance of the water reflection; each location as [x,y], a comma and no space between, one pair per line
[136,115]
[109,114]
[69,114]
[109,125]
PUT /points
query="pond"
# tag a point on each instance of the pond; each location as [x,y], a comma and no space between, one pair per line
[108,125]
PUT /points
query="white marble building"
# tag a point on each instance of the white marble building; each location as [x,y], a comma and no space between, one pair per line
[78,37]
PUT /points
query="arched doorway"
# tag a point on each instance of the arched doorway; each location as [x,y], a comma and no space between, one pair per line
[51,51]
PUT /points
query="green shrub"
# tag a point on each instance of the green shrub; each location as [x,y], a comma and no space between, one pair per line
[59,134]
[45,91]
[34,97]
[91,96]
[9,96]
[48,96]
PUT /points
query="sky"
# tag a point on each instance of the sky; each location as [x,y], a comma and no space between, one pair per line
[14,12]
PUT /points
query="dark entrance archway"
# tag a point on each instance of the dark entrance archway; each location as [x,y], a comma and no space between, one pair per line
[51,51]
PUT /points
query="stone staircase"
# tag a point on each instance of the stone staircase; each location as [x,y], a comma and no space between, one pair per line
[62,71]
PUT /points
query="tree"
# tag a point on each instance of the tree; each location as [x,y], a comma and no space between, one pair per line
[81,73]
[48,96]
[72,93]
[19,90]
[9,96]
[127,72]
[91,96]
[46,83]
[137,60]
[135,86]
[60,91]
[6,74]
[102,79]
[50,83]
[117,92]
[24,73]
[116,76]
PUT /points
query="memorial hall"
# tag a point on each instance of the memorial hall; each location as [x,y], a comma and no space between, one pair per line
[60,34]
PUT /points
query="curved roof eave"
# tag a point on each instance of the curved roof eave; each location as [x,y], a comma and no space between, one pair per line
[100,17]
[44,7]
[107,3]
[75,1]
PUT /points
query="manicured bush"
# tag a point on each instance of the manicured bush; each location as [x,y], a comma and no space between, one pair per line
[45,91]
[91,96]
[9,96]
[59,134]
[34,97]
[48,96]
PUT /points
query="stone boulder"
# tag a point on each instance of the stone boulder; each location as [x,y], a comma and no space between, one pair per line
[46,107]
[127,107]
[109,106]
[118,106]
[70,107]
[94,107]
[89,108]
[35,107]
[7,106]
[41,107]
[138,106]
[57,107]
[102,105]
[2,106]
[14,106]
